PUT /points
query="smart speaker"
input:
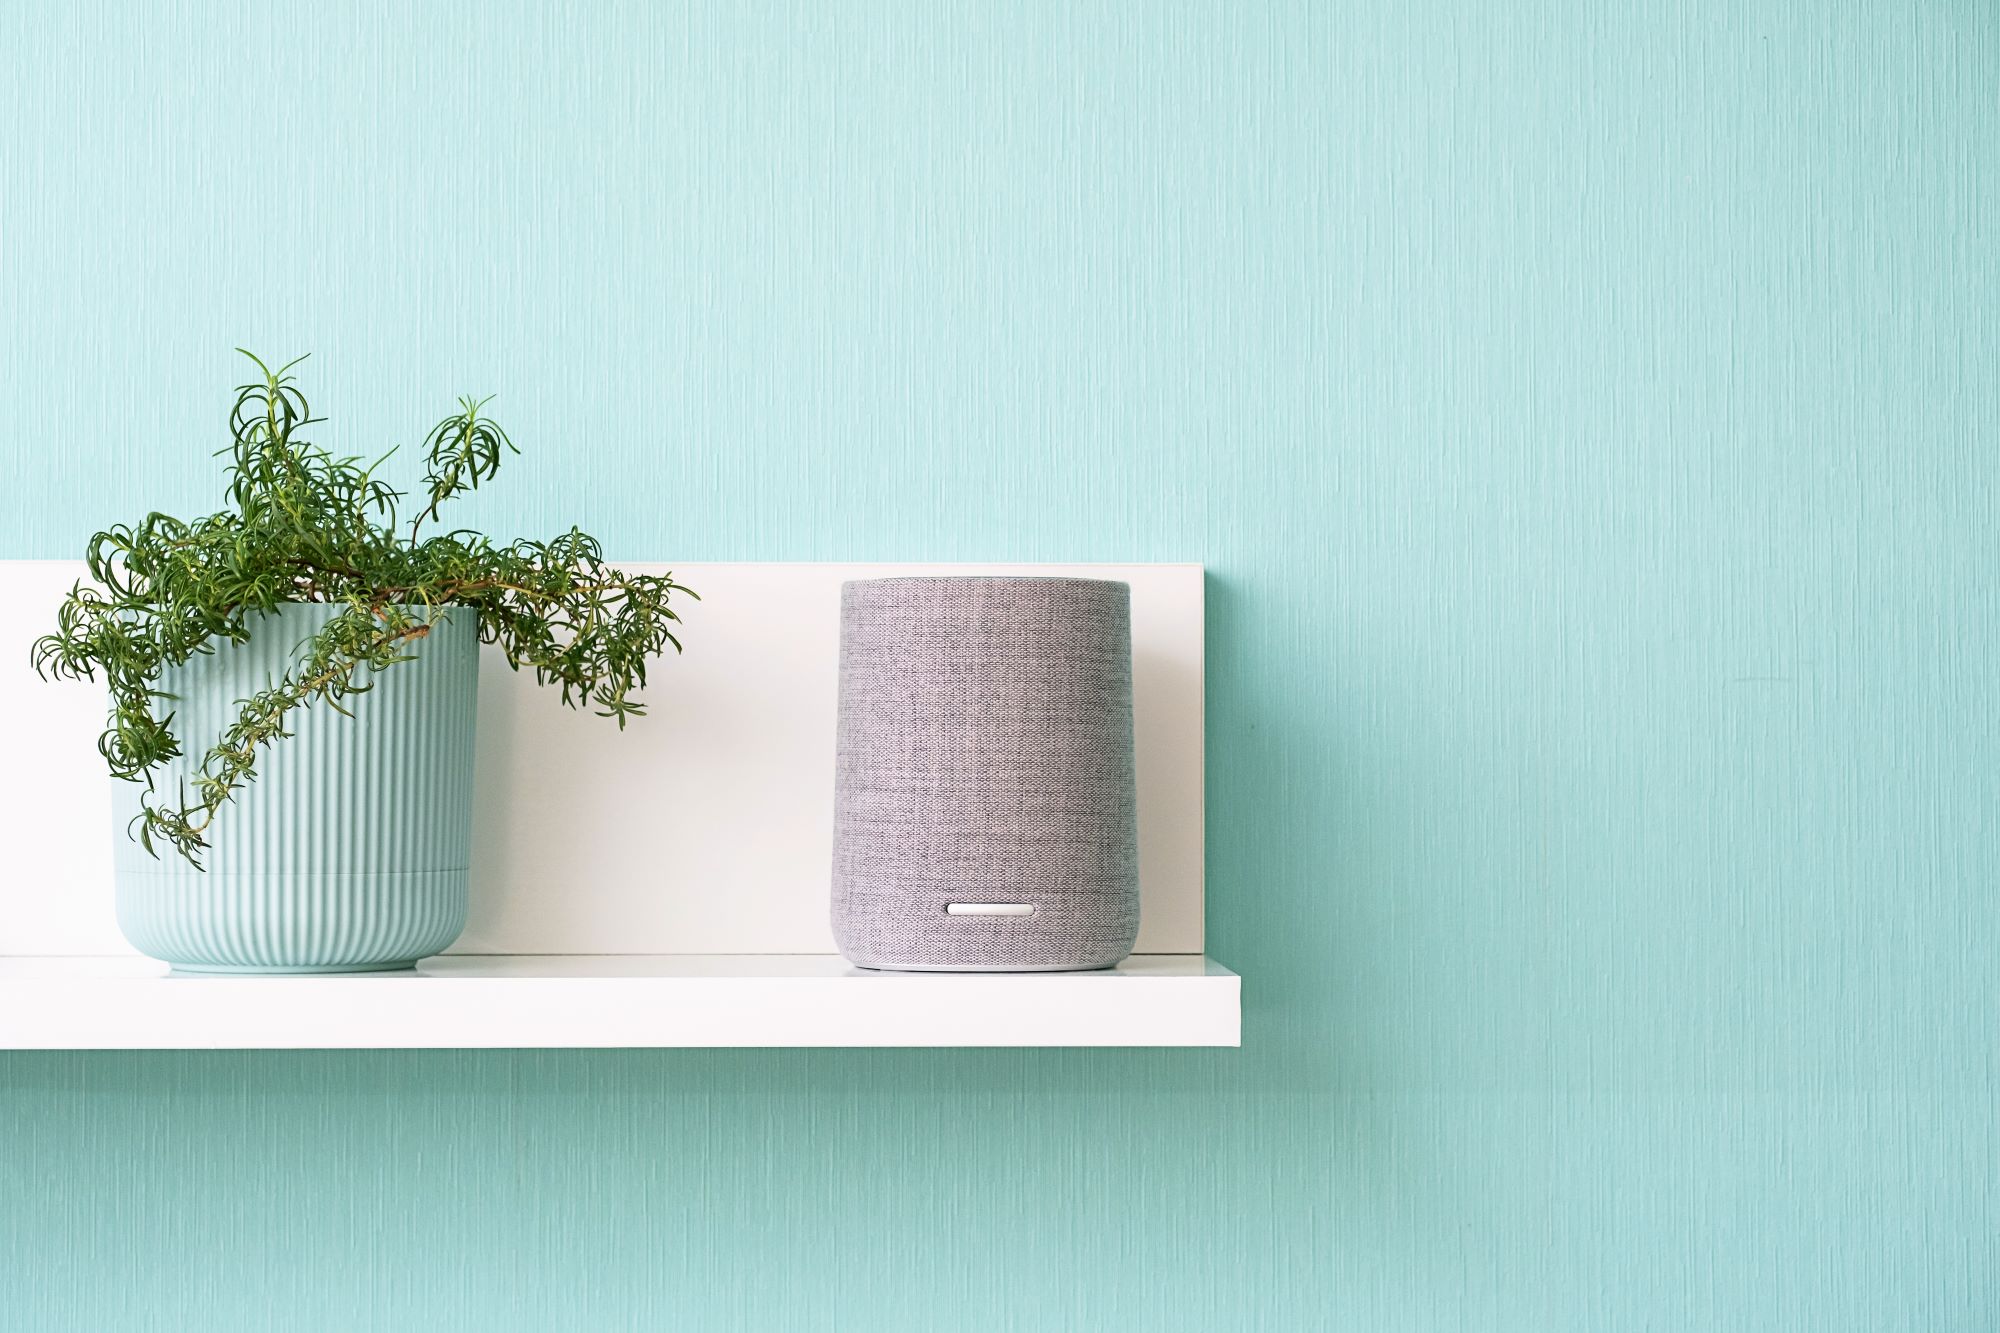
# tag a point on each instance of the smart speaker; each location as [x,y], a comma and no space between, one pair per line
[985,818]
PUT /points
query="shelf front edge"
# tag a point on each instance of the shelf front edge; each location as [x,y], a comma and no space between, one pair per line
[544,1003]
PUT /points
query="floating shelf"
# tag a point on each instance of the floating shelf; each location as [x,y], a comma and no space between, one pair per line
[637,1000]
[576,910]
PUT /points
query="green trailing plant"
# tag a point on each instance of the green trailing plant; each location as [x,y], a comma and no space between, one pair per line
[307,526]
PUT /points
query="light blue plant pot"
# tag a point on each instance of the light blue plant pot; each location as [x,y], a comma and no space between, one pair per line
[350,851]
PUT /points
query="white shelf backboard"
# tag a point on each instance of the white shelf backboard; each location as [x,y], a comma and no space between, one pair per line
[703,828]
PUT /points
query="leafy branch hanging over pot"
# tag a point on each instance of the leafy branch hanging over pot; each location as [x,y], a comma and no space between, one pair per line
[311,527]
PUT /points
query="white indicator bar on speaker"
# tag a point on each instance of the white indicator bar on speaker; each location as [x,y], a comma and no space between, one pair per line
[989,909]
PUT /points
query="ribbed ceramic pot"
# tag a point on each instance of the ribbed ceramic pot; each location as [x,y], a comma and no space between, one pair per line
[350,851]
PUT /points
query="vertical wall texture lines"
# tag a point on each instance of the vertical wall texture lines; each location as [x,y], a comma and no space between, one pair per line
[1586,414]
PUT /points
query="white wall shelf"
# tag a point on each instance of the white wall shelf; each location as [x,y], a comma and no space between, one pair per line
[575,904]
[639,1000]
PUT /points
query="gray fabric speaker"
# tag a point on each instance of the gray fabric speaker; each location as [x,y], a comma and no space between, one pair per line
[984,812]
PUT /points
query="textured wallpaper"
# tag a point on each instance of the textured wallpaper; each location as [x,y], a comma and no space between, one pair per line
[1587,414]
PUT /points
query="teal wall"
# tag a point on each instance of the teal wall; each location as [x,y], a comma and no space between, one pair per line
[1587,413]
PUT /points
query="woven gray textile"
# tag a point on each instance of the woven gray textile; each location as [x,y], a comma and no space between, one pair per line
[985,756]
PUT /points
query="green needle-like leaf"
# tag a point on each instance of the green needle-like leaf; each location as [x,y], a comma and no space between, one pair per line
[309,527]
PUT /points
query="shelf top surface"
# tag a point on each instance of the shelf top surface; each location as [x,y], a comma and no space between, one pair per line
[577,967]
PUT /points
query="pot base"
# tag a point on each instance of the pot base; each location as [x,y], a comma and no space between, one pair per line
[198,921]
[278,970]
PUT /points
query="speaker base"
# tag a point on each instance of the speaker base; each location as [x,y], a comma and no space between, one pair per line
[973,967]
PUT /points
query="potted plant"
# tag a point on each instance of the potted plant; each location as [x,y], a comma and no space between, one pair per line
[325,654]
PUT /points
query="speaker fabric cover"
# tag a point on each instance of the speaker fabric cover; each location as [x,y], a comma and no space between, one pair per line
[985,814]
